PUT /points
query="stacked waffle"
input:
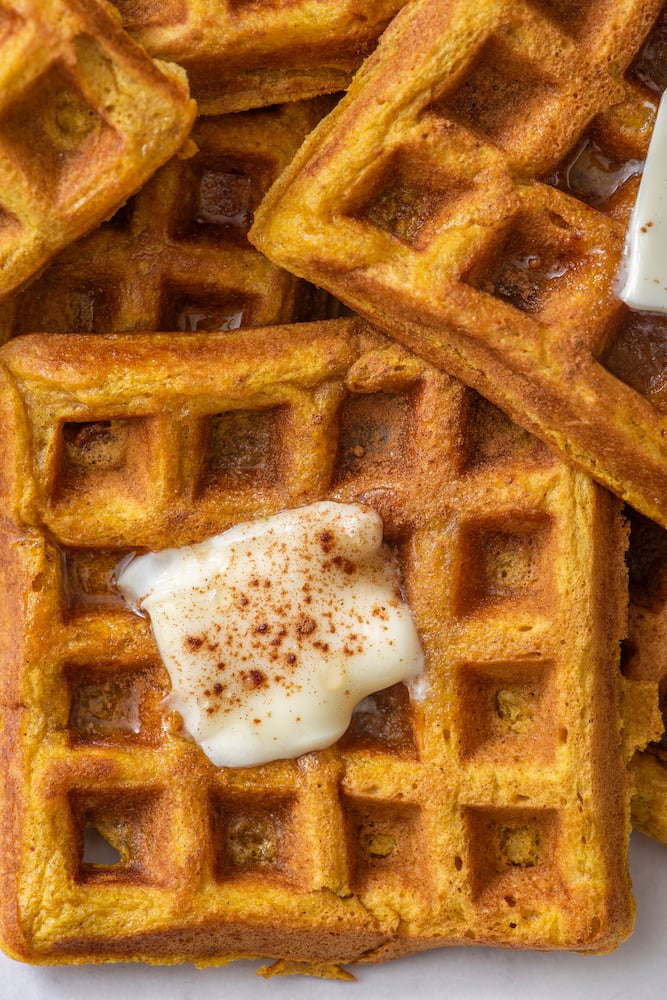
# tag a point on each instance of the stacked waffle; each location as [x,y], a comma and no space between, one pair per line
[85,118]
[644,661]
[240,56]
[468,197]
[176,256]
[432,202]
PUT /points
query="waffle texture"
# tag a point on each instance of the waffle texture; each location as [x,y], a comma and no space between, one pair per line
[246,55]
[176,256]
[85,118]
[470,195]
[492,808]
[645,662]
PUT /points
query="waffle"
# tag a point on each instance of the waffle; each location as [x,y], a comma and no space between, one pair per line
[241,56]
[85,118]
[470,195]
[176,256]
[644,661]
[491,808]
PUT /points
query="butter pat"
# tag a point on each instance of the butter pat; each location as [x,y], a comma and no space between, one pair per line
[273,631]
[645,265]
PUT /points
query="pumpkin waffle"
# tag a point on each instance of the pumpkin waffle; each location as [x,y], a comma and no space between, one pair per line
[176,256]
[241,56]
[85,118]
[491,807]
[470,195]
[645,661]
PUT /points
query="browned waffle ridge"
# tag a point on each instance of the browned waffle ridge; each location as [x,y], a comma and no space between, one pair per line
[176,256]
[246,55]
[494,811]
[470,195]
[85,118]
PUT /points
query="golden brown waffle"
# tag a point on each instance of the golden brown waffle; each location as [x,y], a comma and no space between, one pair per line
[85,118]
[241,56]
[645,659]
[468,196]
[493,809]
[176,256]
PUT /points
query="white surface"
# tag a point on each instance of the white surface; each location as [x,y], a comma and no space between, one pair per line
[637,971]
[646,242]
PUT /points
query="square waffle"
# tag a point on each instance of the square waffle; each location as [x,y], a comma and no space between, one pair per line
[176,256]
[470,195]
[245,55]
[85,118]
[644,661]
[492,808]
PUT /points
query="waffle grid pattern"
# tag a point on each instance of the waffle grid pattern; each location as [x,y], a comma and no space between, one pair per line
[176,256]
[85,117]
[470,195]
[240,56]
[410,832]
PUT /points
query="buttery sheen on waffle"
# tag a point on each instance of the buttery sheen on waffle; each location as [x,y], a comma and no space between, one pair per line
[493,808]
[176,256]
[471,194]
[85,118]
[246,55]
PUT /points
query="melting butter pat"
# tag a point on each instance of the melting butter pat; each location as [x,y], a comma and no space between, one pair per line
[645,263]
[273,631]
